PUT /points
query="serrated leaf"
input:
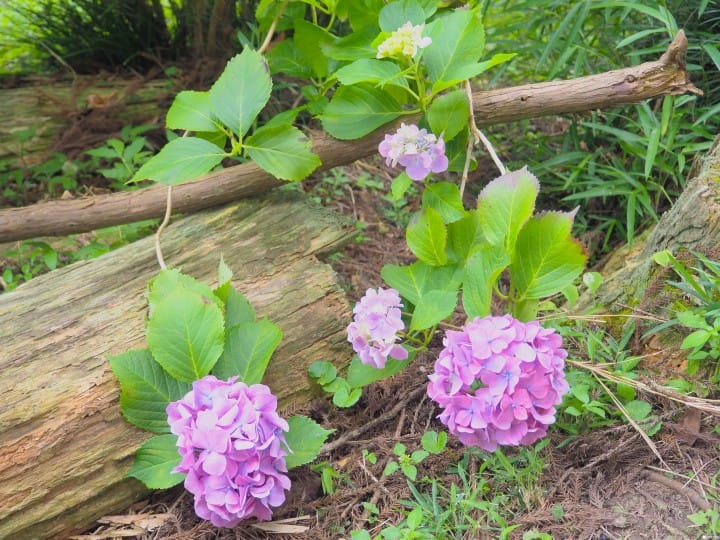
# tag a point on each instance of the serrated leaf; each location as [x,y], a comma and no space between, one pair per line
[458,40]
[371,70]
[154,462]
[482,270]
[304,440]
[248,348]
[468,71]
[463,236]
[171,279]
[145,389]
[190,110]
[505,204]
[185,334]
[414,280]
[449,114]
[433,307]
[547,259]
[426,237]
[353,46]
[638,410]
[357,110]
[395,14]
[309,38]
[286,57]
[360,375]
[400,185]
[237,309]
[241,91]
[444,198]
[283,151]
[181,160]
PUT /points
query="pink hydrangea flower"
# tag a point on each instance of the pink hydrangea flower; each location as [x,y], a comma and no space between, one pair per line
[376,322]
[229,440]
[415,149]
[498,381]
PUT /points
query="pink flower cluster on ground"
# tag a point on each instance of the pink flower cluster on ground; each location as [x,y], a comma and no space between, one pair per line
[229,438]
[415,149]
[376,322]
[498,381]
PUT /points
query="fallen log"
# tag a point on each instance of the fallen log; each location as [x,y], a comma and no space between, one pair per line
[630,85]
[64,448]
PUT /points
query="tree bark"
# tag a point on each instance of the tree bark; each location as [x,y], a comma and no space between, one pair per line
[630,85]
[64,448]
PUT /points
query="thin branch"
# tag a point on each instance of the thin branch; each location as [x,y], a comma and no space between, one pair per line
[161,228]
[271,31]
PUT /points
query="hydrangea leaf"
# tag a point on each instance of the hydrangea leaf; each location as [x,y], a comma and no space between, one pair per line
[353,46]
[309,38]
[371,70]
[248,348]
[283,151]
[286,57]
[360,374]
[469,71]
[399,186]
[304,440]
[547,259]
[145,389]
[449,114]
[444,198]
[241,91]
[171,279]
[395,14]
[414,280]
[458,40]
[190,110]
[154,462]
[357,110]
[426,237]
[433,307]
[186,334]
[463,236]
[237,309]
[482,270]
[180,160]
[505,204]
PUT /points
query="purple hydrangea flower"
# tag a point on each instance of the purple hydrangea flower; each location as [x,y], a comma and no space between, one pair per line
[498,381]
[375,325]
[229,439]
[415,149]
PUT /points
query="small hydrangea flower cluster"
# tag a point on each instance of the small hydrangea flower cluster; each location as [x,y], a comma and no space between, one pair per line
[415,149]
[229,438]
[498,381]
[376,322]
[404,42]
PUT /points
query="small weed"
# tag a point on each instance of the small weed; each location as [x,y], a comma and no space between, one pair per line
[119,159]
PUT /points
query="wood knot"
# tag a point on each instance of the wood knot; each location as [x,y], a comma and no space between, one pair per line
[630,79]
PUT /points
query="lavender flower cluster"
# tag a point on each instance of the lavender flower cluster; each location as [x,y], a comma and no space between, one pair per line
[498,381]
[376,322]
[415,149]
[229,439]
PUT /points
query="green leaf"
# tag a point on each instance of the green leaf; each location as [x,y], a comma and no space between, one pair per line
[463,236]
[357,110]
[241,91]
[434,442]
[283,151]
[190,110]
[353,46]
[154,462]
[692,319]
[304,440]
[416,279]
[309,38]
[286,57]
[346,397]
[547,259]
[449,114]
[371,70]
[426,237]
[237,309]
[145,389]
[592,281]
[482,270]
[444,198]
[697,339]
[469,71]
[224,273]
[360,374]
[505,204]
[185,334]
[324,372]
[400,185]
[458,40]
[248,348]
[180,160]
[395,14]
[169,280]
[433,307]
[390,468]
[638,410]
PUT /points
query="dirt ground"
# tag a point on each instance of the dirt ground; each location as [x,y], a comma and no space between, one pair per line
[602,485]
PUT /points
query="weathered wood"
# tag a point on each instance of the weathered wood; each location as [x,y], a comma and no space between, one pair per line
[629,85]
[64,447]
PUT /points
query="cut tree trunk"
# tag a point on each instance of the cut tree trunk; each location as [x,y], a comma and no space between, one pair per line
[629,85]
[64,448]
